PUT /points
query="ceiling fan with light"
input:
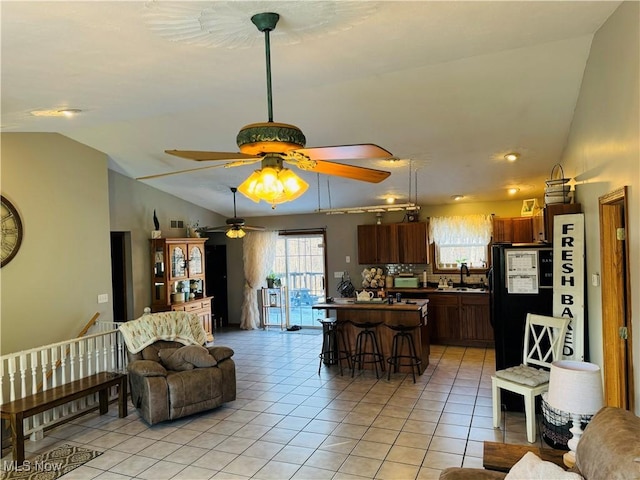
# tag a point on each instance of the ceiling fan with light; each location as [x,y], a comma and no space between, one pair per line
[235,226]
[273,144]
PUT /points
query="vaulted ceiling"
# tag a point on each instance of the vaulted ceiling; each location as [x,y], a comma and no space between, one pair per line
[448,87]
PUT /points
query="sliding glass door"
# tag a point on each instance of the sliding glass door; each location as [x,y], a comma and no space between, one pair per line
[300,261]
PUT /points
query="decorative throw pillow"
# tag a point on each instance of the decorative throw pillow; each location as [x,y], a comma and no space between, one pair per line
[532,467]
[186,358]
[221,353]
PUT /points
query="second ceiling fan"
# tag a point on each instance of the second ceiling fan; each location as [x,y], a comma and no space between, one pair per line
[235,226]
[273,144]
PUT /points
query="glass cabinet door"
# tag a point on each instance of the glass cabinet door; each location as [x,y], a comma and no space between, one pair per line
[196,266]
[178,261]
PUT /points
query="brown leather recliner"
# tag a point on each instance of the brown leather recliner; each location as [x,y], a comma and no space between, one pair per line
[169,380]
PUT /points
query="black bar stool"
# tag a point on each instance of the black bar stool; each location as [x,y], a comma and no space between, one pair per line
[367,349]
[403,341]
[333,345]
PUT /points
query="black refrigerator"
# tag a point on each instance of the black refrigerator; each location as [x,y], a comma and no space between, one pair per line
[520,282]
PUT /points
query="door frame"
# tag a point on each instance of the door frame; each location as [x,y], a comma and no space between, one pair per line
[616,300]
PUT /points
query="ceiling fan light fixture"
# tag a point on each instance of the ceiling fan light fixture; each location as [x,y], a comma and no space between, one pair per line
[273,186]
[235,232]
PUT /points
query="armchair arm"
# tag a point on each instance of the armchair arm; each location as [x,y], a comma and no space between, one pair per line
[146,368]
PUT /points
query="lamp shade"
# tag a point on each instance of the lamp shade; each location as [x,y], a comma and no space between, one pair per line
[575,387]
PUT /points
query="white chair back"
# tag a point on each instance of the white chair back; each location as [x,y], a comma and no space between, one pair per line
[543,339]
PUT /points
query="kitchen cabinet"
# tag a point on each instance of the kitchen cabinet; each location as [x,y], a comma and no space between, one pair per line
[513,230]
[412,242]
[178,277]
[475,322]
[392,243]
[460,319]
[377,244]
[543,220]
[444,319]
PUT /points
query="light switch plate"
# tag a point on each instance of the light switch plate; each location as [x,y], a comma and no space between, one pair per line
[595,279]
[103,298]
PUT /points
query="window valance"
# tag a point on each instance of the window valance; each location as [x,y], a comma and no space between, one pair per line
[461,230]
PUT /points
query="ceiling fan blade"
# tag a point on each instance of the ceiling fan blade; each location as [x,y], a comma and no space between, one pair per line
[205,156]
[221,228]
[255,229]
[237,163]
[345,152]
[363,174]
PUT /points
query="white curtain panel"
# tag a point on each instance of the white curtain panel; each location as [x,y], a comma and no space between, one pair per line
[259,252]
[461,230]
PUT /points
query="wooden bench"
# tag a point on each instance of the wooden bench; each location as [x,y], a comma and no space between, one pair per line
[503,456]
[15,412]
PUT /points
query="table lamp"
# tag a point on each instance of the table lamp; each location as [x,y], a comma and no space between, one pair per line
[575,388]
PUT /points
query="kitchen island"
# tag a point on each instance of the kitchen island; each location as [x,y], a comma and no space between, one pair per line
[403,312]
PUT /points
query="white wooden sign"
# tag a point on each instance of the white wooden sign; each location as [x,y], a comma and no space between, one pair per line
[568,280]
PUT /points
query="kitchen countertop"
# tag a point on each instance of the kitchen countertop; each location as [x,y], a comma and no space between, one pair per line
[409,290]
[344,304]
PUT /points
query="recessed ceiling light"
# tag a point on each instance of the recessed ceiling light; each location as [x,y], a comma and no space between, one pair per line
[512,157]
[391,200]
[513,190]
[457,197]
[65,112]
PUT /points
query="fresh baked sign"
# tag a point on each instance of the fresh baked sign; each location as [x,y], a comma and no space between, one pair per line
[568,280]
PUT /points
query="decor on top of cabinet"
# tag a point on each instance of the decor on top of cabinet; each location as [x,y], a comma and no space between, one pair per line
[193,229]
[373,277]
[156,224]
[557,191]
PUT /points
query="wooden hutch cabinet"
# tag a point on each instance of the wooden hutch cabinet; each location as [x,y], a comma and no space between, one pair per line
[178,277]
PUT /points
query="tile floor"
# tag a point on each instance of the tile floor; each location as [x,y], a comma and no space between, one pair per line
[288,422]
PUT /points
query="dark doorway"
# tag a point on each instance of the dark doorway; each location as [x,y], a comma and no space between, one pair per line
[216,272]
[120,276]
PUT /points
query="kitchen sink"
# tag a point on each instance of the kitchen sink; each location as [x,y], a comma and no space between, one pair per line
[469,289]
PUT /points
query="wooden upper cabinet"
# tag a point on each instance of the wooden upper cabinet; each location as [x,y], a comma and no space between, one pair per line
[412,242]
[522,229]
[543,221]
[393,243]
[387,236]
[512,230]
[377,244]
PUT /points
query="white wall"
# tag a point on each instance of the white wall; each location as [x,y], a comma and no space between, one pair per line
[49,290]
[603,154]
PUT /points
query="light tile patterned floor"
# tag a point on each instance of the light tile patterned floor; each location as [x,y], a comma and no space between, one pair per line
[288,422]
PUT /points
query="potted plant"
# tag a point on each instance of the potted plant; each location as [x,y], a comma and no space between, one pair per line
[273,280]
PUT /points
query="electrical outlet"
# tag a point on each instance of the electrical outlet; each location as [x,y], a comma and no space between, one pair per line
[337,274]
[348,259]
[103,298]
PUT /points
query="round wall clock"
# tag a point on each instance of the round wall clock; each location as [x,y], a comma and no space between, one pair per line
[11,229]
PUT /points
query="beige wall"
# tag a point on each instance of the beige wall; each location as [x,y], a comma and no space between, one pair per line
[49,290]
[131,207]
[603,154]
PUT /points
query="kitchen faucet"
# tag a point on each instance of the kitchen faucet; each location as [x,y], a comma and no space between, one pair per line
[463,267]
